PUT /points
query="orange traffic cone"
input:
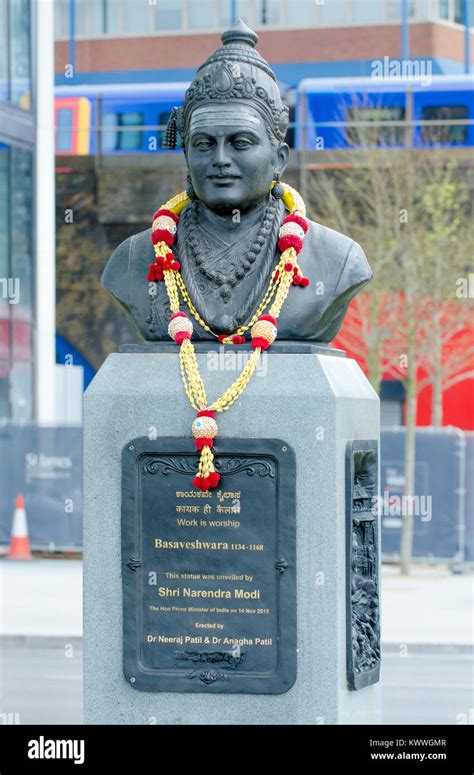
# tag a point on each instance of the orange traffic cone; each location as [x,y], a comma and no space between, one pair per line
[20,544]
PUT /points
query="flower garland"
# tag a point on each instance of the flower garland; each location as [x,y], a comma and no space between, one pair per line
[262,326]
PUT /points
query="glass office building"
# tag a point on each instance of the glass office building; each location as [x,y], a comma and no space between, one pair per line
[96,18]
[17,260]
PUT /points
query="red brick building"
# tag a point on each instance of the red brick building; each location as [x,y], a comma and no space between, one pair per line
[120,41]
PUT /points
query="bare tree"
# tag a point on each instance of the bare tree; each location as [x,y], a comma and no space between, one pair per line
[447,234]
[408,209]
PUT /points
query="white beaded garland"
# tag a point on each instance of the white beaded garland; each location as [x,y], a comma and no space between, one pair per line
[165,222]
[292,228]
[204,427]
[179,325]
[264,329]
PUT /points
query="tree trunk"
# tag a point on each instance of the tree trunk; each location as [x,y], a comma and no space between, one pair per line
[406,540]
[437,406]
[373,355]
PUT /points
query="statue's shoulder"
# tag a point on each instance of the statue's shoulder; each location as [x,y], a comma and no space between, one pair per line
[338,257]
[115,277]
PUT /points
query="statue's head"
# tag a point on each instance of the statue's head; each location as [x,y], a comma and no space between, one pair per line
[233,125]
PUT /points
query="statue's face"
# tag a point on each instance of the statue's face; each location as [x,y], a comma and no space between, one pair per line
[232,163]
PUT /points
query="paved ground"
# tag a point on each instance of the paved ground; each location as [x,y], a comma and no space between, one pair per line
[427,687]
[40,597]
[44,686]
[430,606]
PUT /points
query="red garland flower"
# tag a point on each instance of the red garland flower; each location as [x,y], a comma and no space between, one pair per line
[162,235]
[290,241]
[155,274]
[207,482]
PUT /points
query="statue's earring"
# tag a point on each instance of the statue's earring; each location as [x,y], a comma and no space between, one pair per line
[277,190]
[190,192]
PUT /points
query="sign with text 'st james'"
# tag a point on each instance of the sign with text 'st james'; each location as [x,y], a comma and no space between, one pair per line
[209,577]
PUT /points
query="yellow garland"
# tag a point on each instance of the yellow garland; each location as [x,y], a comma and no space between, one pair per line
[276,293]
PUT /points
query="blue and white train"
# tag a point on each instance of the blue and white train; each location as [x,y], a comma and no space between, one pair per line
[325,113]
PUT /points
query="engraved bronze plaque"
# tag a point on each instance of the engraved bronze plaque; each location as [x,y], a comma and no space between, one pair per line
[209,578]
[363,604]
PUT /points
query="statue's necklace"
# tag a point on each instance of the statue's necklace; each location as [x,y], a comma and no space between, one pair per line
[263,326]
[227,280]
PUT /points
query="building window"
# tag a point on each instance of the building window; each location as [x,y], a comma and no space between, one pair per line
[137,17]
[444,9]
[97,17]
[335,12]
[368,12]
[392,398]
[140,17]
[16,299]
[242,11]
[15,54]
[202,15]
[416,8]
[4,274]
[267,12]
[301,13]
[80,18]
[460,14]
[4,76]
[168,15]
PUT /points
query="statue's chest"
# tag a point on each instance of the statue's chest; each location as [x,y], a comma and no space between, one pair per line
[226,276]
[225,307]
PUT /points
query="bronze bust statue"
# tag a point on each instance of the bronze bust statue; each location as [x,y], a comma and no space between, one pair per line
[233,125]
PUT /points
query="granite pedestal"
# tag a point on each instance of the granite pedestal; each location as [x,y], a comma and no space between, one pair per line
[315,401]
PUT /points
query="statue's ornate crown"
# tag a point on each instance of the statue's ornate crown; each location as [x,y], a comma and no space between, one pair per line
[236,71]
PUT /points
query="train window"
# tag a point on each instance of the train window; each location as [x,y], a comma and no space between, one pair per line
[109,134]
[64,129]
[117,139]
[446,134]
[378,134]
[131,140]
